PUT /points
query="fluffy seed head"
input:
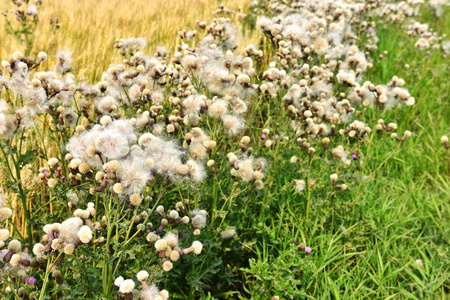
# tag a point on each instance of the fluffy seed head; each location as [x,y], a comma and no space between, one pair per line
[174,255]
[407,133]
[118,281]
[15,259]
[52,182]
[14,245]
[174,214]
[52,161]
[4,234]
[5,213]
[243,79]
[85,234]
[118,188]
[135,199]
[161,245]
[198,247]
[167,266]
[164,294]
[259,184]
[68,249]
[37,249]
[127,286]
[142,275]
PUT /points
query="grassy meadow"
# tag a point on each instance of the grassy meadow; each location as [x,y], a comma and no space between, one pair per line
[381,230]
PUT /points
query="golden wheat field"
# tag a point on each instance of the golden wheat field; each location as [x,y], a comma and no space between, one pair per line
[89,28]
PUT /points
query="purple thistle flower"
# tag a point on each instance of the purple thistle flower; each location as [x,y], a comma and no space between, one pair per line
[307,250]
[263,136]
[354,156]
[32,280]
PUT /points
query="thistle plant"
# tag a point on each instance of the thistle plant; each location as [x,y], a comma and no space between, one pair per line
[165,170]
[22,22]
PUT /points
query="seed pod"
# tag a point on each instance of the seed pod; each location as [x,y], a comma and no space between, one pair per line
[25,262]
[8,256]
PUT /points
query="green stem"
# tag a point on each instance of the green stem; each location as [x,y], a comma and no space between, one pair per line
[47,271]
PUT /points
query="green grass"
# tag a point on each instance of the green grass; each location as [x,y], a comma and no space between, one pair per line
[367,245]
[365,240]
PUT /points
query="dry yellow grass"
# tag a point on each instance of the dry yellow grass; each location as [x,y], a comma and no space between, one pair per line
[90,27]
